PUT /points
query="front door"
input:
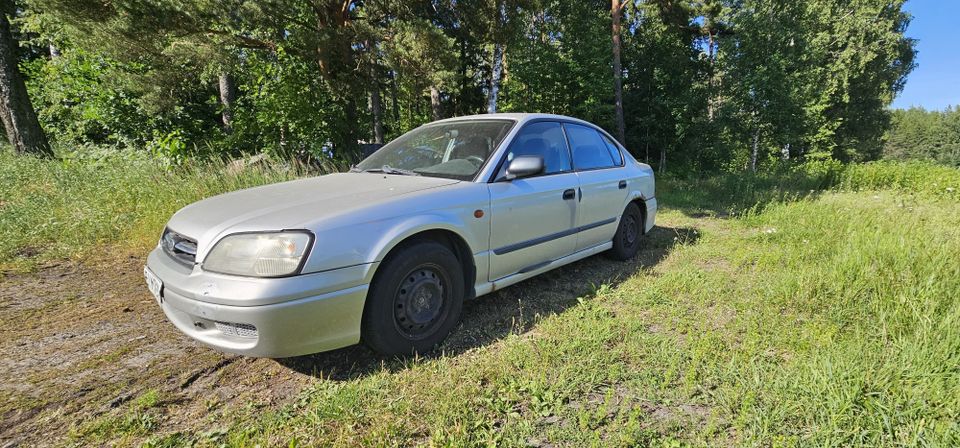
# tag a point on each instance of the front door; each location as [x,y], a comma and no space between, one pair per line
[533,219]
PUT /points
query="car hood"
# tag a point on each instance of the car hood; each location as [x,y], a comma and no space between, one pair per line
[296,204]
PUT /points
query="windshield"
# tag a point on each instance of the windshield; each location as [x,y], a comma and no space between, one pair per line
[455,150]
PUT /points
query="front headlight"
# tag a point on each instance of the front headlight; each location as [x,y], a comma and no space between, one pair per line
[259,254]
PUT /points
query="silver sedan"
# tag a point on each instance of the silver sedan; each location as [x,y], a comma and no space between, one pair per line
[388,252]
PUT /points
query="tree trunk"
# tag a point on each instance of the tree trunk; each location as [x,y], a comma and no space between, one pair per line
[616,10]
[459,107]
[350,147]
[756,149]
[228,97]
[284,150]
[393,98]
[54,51]
[785,152]
[646,142]
[710,76]
[662,168]
[376,109]
[19,118]
[495,75]
[376,103]
[335,57]
[435,105]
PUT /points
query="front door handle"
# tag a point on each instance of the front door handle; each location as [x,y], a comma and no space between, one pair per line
[622,185]
[569,194]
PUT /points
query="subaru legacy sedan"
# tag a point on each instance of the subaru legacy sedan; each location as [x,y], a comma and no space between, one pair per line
[388,252]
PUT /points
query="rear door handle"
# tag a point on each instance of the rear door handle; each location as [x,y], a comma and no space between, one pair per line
[622,185]
[569,194]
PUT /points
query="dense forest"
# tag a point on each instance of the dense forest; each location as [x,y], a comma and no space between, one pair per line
[918,134]
[698,85]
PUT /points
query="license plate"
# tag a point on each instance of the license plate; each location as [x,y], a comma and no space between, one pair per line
[153,284]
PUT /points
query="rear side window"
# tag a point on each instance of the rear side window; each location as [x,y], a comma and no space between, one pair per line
[614,150]
[589,149]
[543,139]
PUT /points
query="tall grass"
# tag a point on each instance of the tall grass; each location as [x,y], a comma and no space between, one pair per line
[736,192]
[859,296]
[920,178]
[53,209]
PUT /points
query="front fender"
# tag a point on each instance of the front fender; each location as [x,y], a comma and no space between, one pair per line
[419,224]
[370,242]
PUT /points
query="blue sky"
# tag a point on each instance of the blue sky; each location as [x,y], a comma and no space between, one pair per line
[935,82]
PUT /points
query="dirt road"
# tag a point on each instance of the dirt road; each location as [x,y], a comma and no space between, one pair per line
[80,341]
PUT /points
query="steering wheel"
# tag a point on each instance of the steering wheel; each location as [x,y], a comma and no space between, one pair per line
[476,160]
[426,151]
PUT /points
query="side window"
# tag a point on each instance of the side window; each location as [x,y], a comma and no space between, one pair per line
[544,139]
[589,150]
[614,150]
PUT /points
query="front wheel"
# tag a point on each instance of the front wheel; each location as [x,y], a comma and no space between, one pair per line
[626,242]
[414,301]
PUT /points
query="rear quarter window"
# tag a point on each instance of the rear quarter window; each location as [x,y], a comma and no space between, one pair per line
[614,150]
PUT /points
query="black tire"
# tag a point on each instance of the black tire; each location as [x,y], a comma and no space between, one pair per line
[626,242]
[415,300]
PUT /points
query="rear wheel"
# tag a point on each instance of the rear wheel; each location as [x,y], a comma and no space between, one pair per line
[626,242]
[415,300]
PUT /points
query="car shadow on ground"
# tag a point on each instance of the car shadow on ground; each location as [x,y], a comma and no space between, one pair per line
[514,309]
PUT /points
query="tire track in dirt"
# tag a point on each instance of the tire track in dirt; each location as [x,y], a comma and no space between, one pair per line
[79,342]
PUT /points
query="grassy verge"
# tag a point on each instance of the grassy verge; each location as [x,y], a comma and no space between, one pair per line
[736,193]
[56,209]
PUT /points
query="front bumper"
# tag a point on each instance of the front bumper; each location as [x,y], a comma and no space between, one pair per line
[264,317]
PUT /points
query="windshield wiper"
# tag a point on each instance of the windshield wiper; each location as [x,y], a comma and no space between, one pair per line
[386,169]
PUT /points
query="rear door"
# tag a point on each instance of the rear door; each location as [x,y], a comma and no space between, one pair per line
[533,219]
[603,184]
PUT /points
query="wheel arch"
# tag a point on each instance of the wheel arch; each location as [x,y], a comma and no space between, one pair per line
[641,202]
[449,238]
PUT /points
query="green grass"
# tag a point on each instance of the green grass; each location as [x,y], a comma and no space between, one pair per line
[831,321]
[139,419]
[57,209]
[735,193]
[815,306]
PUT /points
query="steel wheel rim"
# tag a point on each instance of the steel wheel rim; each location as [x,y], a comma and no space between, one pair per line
[630,231]
[421,301]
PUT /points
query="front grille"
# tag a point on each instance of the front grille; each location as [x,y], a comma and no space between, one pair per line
[179,247]
[234,329]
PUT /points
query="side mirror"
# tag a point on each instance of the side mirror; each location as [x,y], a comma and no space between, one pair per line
[524,166]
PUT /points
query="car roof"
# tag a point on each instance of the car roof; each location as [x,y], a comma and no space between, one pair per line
[518,117]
